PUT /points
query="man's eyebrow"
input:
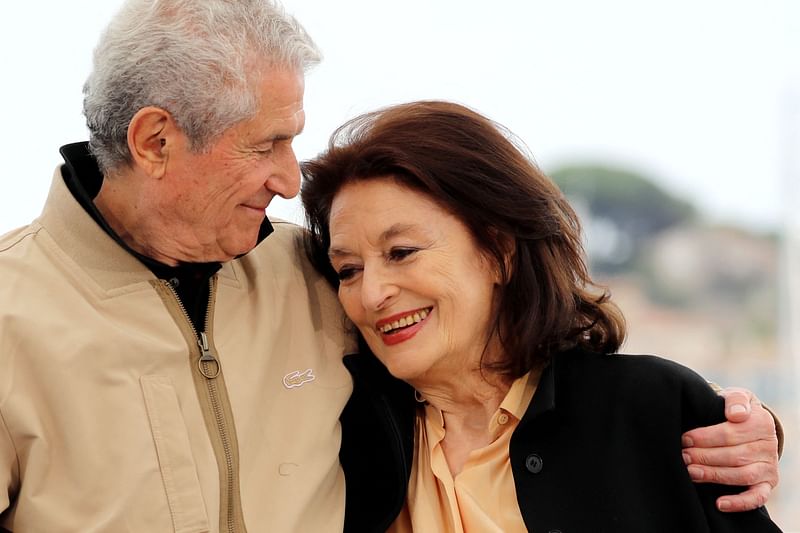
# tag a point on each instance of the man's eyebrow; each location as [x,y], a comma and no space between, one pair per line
[280,137]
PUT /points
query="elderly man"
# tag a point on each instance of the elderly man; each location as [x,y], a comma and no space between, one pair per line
[164,366]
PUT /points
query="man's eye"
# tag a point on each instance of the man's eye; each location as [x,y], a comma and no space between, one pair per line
[398,254]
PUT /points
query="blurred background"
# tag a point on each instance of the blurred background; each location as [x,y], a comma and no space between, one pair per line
[673,127]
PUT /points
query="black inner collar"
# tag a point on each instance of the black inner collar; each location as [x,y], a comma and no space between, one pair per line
[190,280]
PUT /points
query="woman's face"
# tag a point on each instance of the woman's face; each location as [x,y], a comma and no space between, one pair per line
[412,280]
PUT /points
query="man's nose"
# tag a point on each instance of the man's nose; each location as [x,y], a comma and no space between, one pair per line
[285,178]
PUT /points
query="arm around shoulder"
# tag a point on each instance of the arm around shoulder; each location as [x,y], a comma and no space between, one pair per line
[704,407]
[742,450]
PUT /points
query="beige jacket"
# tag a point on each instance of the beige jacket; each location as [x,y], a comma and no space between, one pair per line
[107,422]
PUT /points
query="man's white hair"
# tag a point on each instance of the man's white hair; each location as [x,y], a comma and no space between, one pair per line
[200,60]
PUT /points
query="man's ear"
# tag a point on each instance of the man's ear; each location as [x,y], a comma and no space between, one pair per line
[152,133]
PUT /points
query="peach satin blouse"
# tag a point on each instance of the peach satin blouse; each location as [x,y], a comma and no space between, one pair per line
[482,497]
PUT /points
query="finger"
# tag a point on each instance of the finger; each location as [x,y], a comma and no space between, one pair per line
[743,476]
[738,403]
[732,456]
[710,436]
[759,426]
[752,498]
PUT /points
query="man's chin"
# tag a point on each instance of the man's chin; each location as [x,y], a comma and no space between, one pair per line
[239,248]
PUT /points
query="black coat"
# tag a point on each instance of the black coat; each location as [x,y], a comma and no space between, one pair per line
[598,450]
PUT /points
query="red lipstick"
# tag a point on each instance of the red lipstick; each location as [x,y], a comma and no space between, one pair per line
[400,335]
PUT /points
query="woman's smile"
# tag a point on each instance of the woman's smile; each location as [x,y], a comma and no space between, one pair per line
[402,326]
[402,279]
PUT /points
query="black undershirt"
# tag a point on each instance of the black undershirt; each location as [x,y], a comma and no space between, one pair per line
[191,281]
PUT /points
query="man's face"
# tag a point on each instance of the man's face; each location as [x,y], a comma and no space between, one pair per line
[215,200]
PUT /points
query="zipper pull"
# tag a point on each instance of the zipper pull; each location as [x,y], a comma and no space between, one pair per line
[207,364]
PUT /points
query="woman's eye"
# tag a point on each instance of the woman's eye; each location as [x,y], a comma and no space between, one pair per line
[398,254]
[346,273]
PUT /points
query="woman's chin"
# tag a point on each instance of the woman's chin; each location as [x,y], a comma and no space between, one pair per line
[402,364]
[401,369]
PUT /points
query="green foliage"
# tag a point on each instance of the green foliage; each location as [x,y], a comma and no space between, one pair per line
[631,206]
[631,199]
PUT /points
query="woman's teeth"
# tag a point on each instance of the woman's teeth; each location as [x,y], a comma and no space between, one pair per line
[413,318]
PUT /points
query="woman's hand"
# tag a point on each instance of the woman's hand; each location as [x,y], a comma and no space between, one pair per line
[742,451]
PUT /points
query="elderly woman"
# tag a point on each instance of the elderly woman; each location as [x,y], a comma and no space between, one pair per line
[461,265]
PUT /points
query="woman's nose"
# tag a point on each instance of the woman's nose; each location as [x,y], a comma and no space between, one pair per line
[378,289]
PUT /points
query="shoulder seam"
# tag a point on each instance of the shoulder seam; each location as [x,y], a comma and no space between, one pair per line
[19,239]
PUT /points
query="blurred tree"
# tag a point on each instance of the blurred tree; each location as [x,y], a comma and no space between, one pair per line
[620,210]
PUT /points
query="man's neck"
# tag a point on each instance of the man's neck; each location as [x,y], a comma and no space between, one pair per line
[133,225]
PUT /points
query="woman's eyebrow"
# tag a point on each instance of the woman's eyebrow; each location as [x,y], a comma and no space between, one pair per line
[334,252]
[393,231]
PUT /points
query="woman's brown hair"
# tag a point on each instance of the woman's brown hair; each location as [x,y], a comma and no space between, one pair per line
[478,171]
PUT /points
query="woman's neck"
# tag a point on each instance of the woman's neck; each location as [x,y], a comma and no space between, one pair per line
[467,403]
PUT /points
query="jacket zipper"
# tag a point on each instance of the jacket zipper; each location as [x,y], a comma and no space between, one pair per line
[206,359]
[209,366]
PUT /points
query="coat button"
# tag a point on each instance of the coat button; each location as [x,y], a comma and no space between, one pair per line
[533,463]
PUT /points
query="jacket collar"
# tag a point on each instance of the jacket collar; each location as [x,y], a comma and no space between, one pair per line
[544,399]
[73,220]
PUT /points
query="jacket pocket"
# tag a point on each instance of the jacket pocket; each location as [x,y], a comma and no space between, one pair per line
[178,470]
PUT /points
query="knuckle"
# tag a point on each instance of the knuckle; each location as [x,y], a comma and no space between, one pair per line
[751,475]
[757,424]
[757,430]
[764,421]
[750,499]
[747,476]
[711,475]
[773,477]
[698,457]
[752,453]
[758,495]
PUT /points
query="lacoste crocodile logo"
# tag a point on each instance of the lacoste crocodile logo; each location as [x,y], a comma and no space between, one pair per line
[298,378]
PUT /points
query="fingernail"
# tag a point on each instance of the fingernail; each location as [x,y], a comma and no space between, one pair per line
[687,442]
[738,408]
[695,473]
[724,505]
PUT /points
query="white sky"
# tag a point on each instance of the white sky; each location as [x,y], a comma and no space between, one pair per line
[692,92]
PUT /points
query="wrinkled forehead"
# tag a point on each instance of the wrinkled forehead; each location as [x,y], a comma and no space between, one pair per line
[381,210]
